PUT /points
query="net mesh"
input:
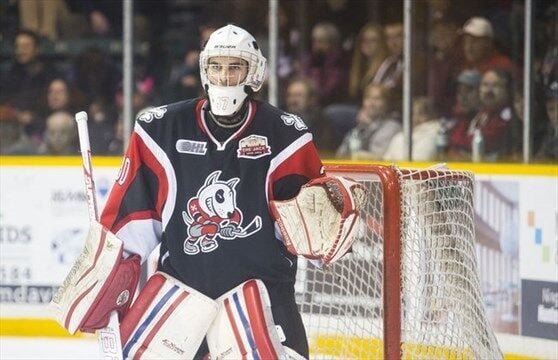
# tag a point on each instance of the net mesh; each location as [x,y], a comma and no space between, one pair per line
[441,305]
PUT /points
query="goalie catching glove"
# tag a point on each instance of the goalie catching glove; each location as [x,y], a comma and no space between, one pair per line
[322,220]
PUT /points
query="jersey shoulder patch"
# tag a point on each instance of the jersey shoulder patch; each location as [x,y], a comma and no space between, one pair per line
[150,114]
[294,120]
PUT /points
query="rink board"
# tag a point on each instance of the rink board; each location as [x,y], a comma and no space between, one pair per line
[50,204]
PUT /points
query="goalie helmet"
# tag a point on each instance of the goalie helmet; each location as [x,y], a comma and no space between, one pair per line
[231,42]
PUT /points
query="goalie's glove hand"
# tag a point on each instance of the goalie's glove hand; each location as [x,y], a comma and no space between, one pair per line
[321,222]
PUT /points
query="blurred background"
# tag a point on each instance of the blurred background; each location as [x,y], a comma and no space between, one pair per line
[339,65]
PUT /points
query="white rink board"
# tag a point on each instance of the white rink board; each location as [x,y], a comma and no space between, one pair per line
[44,220]
[12,348]
[43,210]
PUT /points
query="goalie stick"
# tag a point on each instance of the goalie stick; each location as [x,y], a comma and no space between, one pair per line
[108,338]
[249,229]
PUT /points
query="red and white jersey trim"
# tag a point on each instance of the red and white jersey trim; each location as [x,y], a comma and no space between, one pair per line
[163,159]
[200,115]
[284,156]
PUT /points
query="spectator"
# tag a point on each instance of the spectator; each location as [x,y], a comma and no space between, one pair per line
[24,81]
[549,147]
[42,17]
[440,10]
[61,96]
[478,48]
[111,128]
[184,81]
[102,117]
[467,102]
[347,16]
[9,128]
[96,75]
[116,145]
[325,64]
[390,71]
[13,139]
[375,127]
[301,99]
[426,126]
[496,120]
[368,54]
[58,95]
[103,17]
[60,135]
[443,63]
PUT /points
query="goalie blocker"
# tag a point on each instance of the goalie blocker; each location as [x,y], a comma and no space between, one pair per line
[98,283]
[322,220]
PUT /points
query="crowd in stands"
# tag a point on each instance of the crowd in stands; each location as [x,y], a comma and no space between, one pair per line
[340,68]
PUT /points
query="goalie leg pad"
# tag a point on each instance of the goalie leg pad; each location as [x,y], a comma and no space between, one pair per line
[98,283]
[244,327]
[167,321]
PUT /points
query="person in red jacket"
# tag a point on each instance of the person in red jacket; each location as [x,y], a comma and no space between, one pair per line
[478,48]
[498,123]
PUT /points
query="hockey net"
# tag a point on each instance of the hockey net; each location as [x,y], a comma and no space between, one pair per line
[410,287]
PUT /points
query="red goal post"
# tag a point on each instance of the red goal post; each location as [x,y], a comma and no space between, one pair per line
[410,287]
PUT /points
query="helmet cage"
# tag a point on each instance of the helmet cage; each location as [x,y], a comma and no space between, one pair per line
[256,67]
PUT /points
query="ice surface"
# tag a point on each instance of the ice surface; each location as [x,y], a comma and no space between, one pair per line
[48,348]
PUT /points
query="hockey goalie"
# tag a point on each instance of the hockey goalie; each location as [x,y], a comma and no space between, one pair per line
[230,190]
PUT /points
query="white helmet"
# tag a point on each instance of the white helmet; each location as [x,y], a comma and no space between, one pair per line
[235,42]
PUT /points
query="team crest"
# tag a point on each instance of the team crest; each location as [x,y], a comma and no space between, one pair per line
[292,119]
[213,215]
[253,147]
[153,113]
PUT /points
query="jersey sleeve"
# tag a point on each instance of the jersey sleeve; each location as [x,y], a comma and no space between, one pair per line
[134,209]
[297,163]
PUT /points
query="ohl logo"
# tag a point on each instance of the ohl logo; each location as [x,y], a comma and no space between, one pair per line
[213,214]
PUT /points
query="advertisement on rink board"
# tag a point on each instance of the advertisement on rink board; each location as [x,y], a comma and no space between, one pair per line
[44,221]
[43,224]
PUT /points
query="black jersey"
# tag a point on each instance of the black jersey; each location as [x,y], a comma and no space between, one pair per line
[205,200]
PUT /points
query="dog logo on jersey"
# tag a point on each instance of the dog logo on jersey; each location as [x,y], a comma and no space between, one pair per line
[253,147]
[213,214]
[292,119]
[152,113]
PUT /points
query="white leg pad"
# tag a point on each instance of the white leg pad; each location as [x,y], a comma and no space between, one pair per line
[244,327]
[167,321]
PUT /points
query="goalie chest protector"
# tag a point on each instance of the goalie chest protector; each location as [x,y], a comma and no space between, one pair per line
[219,231]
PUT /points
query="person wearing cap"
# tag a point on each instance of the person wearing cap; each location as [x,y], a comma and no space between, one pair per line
[467,102]
[478,48]
[497,121]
